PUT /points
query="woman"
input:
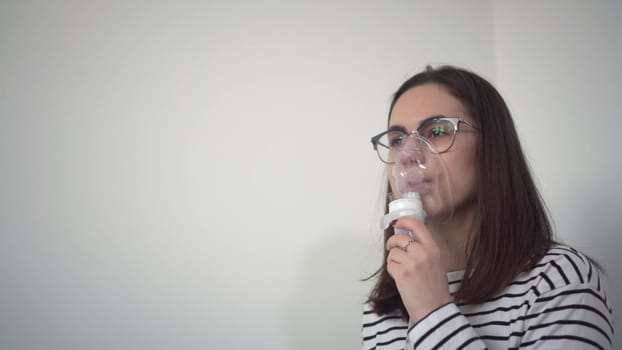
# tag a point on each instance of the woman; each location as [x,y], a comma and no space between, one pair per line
[483,271]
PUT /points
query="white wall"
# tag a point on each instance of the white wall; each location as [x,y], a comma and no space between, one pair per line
[558,65]
[199,174]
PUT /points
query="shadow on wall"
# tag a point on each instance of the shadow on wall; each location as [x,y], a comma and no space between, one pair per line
[325,311]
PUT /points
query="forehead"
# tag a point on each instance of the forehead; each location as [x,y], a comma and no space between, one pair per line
[422,102]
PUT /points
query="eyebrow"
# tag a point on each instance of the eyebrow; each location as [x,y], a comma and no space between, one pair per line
[398,128]
[402,128]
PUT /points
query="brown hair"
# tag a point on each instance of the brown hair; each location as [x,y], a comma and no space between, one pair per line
[513,231]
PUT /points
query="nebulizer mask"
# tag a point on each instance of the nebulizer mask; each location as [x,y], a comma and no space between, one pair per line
[420,186]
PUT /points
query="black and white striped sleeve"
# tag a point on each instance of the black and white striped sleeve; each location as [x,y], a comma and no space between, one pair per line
[444,328]
[573,317]
[574,313]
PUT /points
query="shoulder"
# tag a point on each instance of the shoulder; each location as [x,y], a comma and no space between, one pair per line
[564,266]
[569,296]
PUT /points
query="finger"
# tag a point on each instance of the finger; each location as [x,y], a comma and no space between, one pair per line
[398,241]
[397,256]
[418,228]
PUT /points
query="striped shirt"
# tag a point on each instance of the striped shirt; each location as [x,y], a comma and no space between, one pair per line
[559,304]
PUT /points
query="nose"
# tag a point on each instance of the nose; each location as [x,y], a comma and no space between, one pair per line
[412,153]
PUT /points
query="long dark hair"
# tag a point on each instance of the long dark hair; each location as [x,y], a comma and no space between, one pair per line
[512,232]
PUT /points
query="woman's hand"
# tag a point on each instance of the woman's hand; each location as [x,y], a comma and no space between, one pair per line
[418,272]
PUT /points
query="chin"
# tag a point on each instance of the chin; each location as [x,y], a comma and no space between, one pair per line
[437,215]
[436,207]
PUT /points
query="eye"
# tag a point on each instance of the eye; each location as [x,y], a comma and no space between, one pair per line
[436,128]
[396,139]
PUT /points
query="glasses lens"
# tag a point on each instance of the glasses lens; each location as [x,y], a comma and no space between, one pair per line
[389,143]
[439,133]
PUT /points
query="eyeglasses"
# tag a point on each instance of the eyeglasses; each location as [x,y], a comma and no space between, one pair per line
[438,133]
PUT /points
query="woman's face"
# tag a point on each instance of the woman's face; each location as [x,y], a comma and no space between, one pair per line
[454,187]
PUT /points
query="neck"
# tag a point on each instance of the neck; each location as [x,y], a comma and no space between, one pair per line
[451,238]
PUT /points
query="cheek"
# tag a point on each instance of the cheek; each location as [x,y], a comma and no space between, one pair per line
[464,177]
[466,185]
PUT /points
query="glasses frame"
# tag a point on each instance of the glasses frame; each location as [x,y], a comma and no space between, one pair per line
[455,121]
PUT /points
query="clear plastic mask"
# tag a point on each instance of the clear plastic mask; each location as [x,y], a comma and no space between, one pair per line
[419,172]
